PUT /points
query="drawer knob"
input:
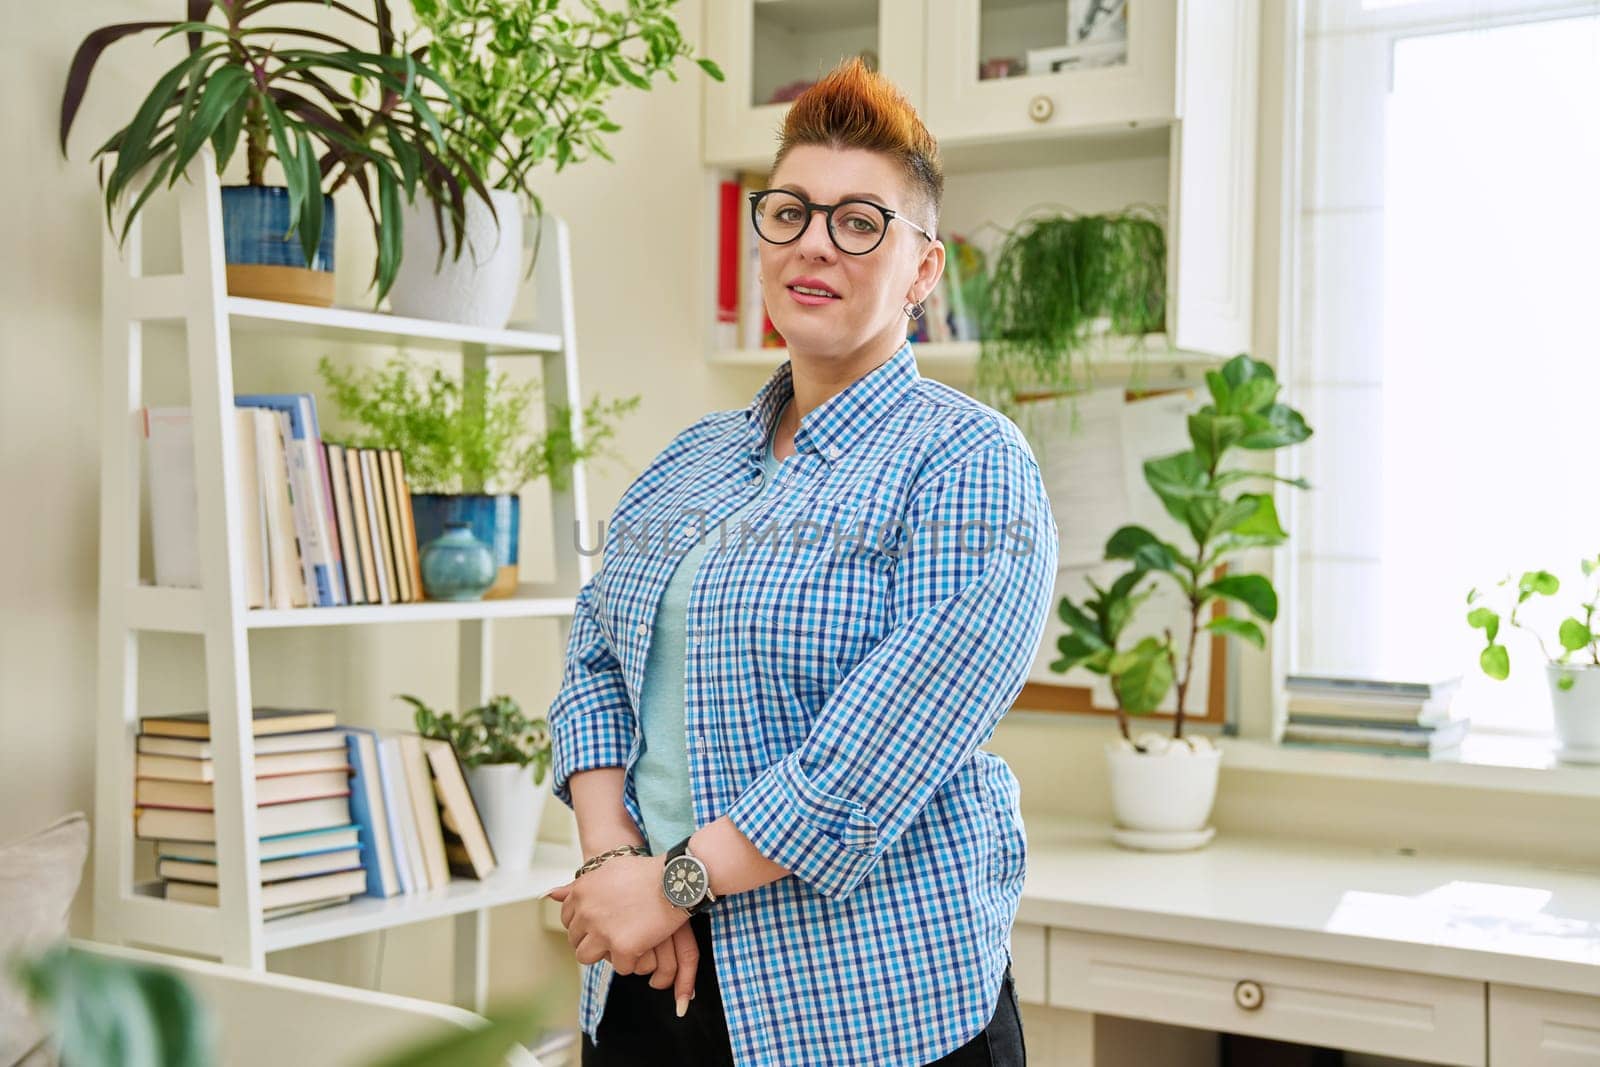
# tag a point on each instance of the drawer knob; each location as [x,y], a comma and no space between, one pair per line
[1040,108]
[1249,995]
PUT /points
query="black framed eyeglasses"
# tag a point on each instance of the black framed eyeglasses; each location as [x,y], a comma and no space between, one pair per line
[856,227]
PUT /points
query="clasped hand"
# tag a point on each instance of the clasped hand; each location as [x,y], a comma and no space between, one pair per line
[618,912]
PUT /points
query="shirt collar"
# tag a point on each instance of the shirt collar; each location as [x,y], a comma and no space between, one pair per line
[833,426]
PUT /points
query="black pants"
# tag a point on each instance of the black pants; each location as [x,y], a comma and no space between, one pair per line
[640,1026]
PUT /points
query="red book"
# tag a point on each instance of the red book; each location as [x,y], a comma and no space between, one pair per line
[728,254]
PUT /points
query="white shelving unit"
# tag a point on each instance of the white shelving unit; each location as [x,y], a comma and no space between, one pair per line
[196,299]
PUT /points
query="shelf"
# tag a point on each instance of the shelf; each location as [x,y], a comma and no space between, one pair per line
[553,865]
[1488,761]
[183,611]
[1109,356]
[351,326]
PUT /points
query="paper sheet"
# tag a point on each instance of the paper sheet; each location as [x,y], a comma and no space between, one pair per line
[1094,474]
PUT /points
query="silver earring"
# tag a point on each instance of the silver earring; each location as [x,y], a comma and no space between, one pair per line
[914,310]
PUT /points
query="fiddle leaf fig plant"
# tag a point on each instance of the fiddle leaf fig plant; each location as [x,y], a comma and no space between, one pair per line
[1197,487]
[1576,636]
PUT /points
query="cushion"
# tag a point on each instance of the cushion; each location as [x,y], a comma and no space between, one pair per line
[39,876]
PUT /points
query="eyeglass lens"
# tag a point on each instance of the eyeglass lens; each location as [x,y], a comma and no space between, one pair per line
[856,226]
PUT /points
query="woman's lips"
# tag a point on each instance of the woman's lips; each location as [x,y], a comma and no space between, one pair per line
[811,299]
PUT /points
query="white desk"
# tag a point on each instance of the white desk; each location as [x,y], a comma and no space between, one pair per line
[1438,959]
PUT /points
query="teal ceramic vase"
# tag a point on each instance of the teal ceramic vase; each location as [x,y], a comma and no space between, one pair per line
[457,566]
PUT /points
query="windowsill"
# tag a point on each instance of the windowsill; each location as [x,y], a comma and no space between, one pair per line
[1501,762]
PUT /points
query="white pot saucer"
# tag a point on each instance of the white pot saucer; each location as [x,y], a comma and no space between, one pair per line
[1162,840]
[1578,753]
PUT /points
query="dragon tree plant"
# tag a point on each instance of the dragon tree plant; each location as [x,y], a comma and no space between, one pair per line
[277,88]
[1194,488]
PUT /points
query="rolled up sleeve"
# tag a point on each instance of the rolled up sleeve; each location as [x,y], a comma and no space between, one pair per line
[592,723]
[968,601]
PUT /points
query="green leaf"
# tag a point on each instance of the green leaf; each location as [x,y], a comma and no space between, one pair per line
[1075,651]
[1566,681]
[1242,628]
[222,93]
[1260,524]
[1485,619]
[1542,582]
[1574,635]
[1214,434]
[1496,662]
[1141,546]
[389,230]
[1075,617]
[311,218]
[711,68]
[1274,427]
[1177,480]
[1142,676]
[1251,590]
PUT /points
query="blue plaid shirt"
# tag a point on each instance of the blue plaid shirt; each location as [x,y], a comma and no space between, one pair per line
[851,644]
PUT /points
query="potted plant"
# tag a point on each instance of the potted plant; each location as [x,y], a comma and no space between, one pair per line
[1574,682]
[467,445]
[276,87]
[1055,282]
[1163,788]
[532,83]
[497,744]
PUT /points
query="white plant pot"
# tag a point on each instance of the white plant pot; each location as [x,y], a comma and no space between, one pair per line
[1161,799]
[479,287]
[510,805]
[1577,712]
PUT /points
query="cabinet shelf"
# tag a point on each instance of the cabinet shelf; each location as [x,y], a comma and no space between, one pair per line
[182,611]
[350,325]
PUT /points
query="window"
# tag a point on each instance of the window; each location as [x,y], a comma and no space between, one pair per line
[1447,355]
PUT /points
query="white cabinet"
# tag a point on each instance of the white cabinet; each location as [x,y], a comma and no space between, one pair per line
[1017,68]
[1536,1028]
[1363,1009]
[1028,964]
[1184,75]
[766,46]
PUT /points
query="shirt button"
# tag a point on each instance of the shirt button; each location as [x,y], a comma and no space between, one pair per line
[833,452]
[641,629]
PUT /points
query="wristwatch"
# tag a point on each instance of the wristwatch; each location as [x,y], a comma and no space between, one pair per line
[686,881]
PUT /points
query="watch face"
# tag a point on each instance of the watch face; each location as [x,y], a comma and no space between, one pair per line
[684,881]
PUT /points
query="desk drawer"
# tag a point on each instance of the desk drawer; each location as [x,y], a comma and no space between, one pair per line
[1535,1028]
[1362,1009]
[1028,962]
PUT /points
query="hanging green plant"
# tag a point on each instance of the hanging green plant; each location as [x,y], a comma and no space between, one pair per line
[1055,281]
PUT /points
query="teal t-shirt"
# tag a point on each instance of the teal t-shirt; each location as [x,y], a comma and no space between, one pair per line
[661,775]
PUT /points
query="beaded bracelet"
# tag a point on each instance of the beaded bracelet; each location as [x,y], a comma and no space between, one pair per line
[621,850]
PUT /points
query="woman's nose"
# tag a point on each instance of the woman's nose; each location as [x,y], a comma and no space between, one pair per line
[815,239]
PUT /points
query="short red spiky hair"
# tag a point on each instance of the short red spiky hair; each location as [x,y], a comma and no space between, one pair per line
[853,107]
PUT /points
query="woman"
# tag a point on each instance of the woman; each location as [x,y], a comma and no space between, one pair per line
[811,613]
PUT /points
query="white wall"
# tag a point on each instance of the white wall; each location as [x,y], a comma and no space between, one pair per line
[640,263]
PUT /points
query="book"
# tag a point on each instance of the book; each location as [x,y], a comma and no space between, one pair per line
[174,506]
[731,221]
[376,526]
[205,871]
[367,809]
[1361,709]
[278,894]
[274,846]
[300,909]
[1356,685]
[425,808]
[345,520]
[361,523]
[287,583]
[197,724]
[162,823]
[331,517]
[402,825]
[394,525]
[408,519]
[466,845]
[200,748]
[307,491]
[284,789]
[1450,735]
[184,769]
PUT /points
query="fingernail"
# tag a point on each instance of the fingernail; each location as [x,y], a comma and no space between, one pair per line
[683,1006]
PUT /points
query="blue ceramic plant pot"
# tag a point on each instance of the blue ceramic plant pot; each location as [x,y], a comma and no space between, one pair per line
[264,259]
[457,566]
[495,519]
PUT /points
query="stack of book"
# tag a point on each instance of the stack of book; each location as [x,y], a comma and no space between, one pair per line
[341,812]
[310,846]
[325,525]
[1373,716]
